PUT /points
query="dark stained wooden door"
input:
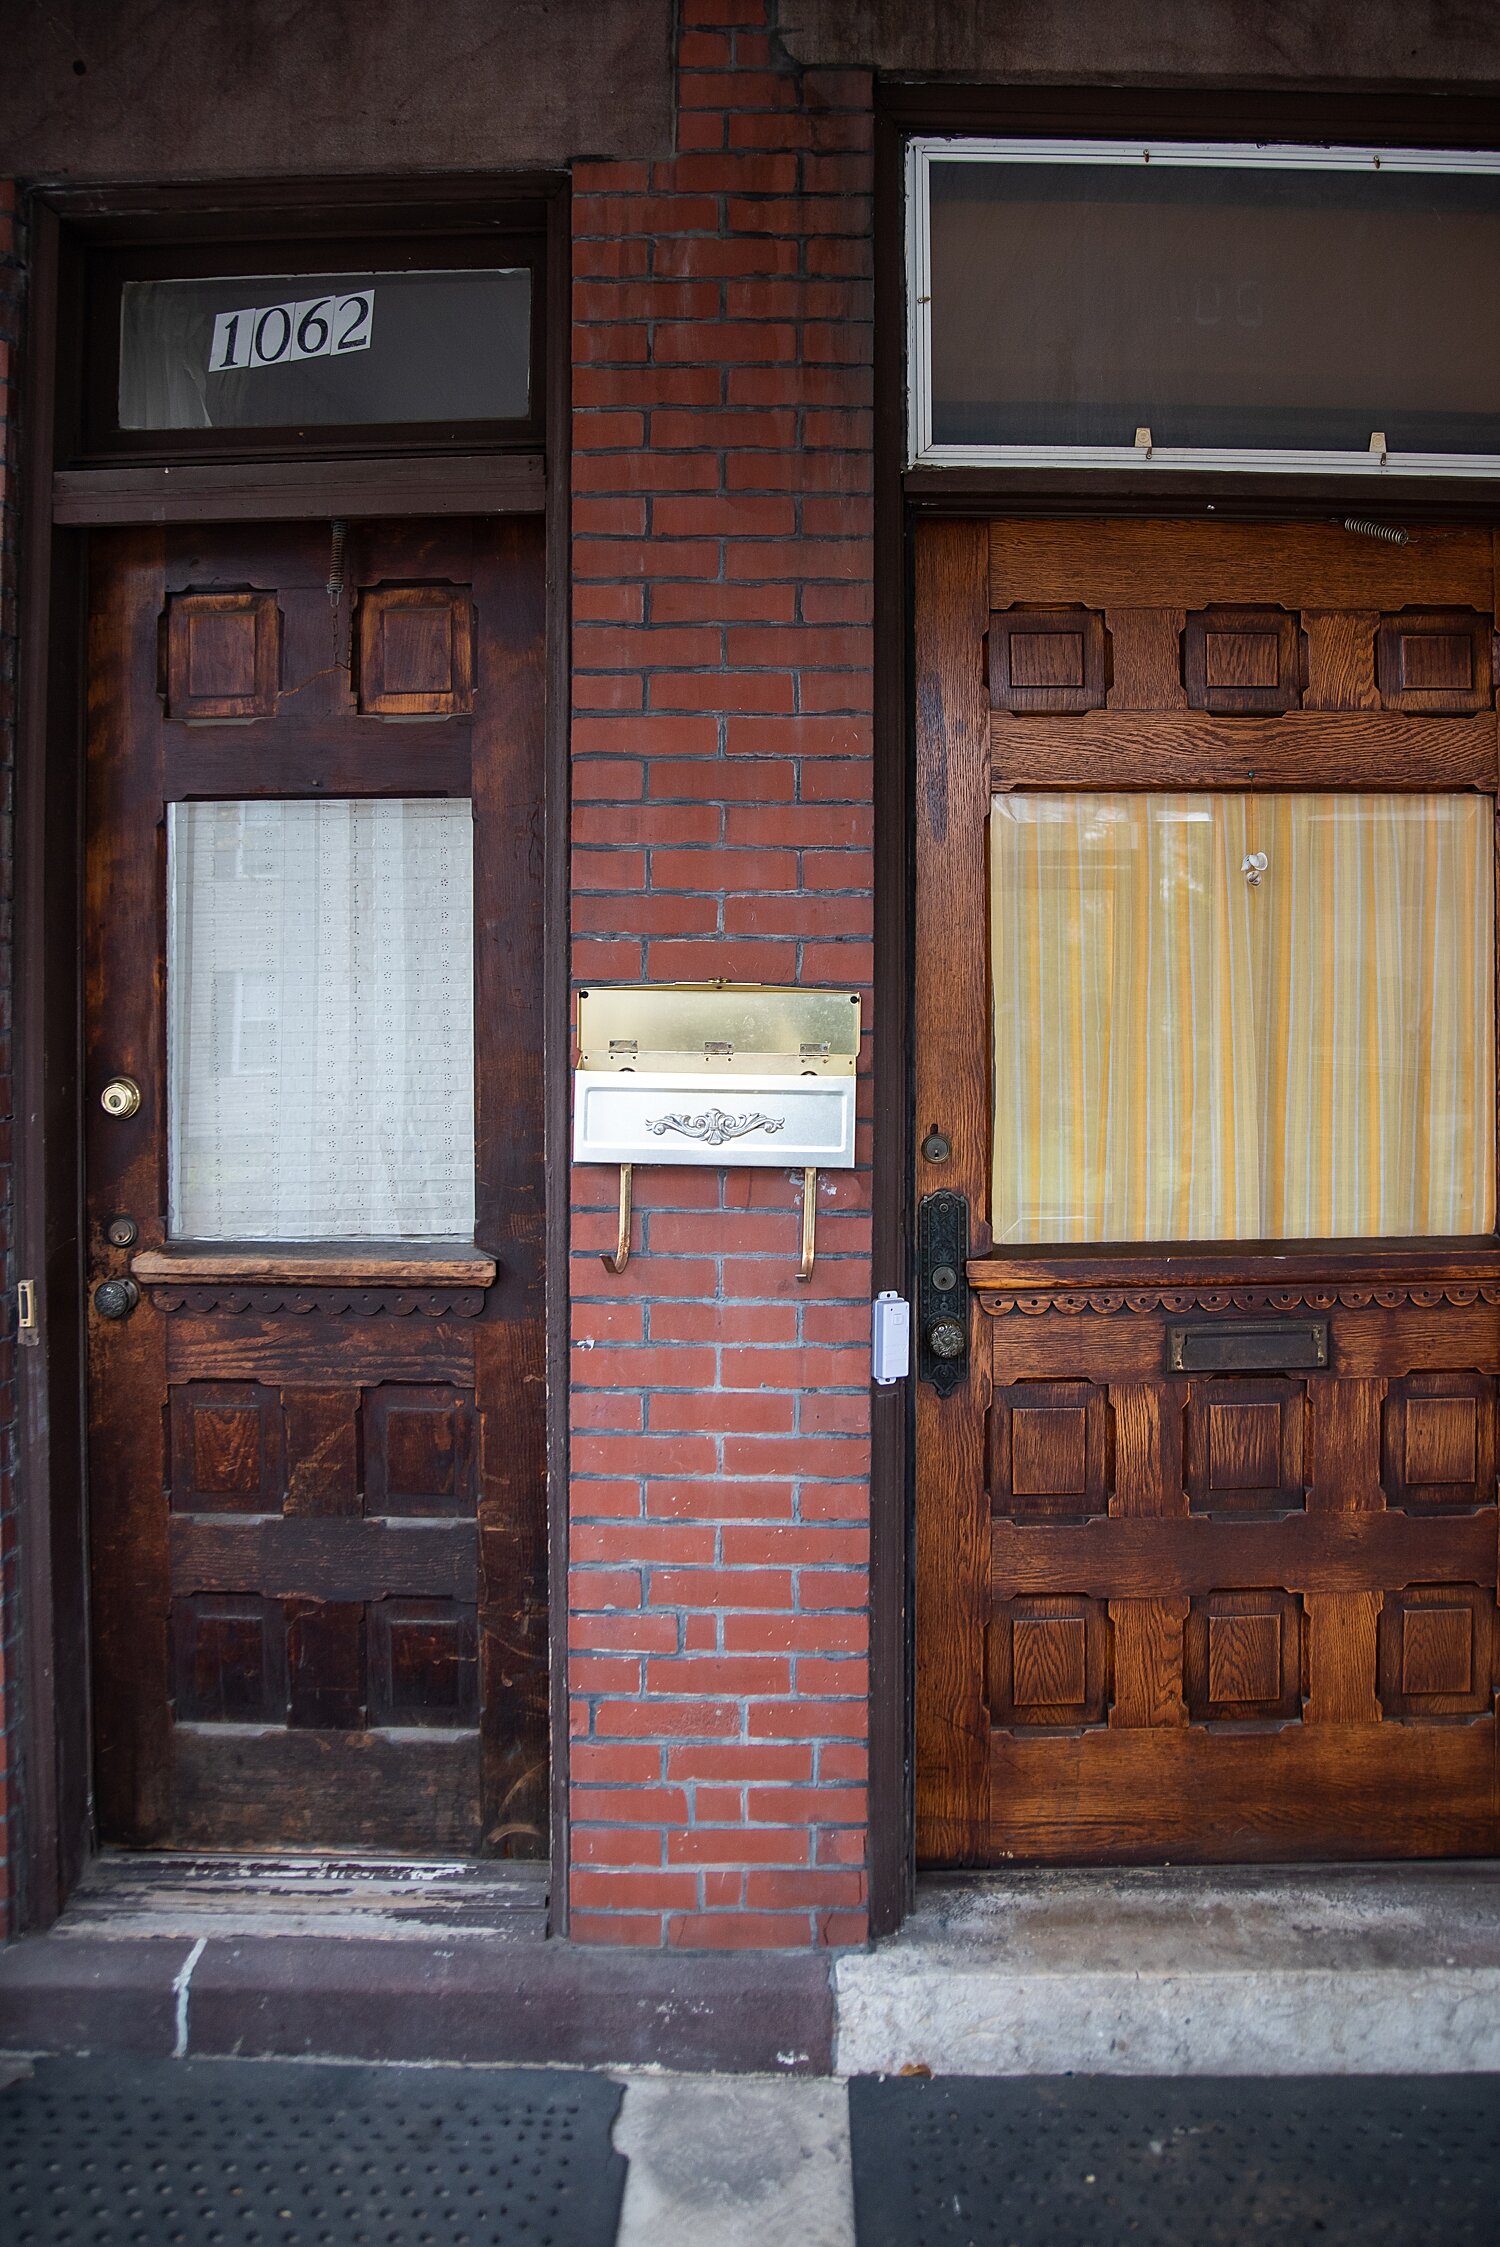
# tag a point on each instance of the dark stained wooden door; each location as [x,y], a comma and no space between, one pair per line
[1167,1614]
[317,1467]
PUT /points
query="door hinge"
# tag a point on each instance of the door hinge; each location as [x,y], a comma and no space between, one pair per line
[28,1325]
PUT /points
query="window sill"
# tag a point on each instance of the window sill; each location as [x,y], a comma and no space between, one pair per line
[316,1264]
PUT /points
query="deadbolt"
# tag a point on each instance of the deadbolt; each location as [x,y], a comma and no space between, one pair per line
[946,1338]
[944,1278]
[121,1232]
[120,1097]
[116,1299]
[937,1147]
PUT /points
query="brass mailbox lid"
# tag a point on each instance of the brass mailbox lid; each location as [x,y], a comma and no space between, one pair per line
[721,1029]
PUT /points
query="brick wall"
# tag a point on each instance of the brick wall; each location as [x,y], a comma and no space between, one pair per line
[721,740]
[10,302]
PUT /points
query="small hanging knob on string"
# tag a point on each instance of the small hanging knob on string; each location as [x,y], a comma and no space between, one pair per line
[1253,865]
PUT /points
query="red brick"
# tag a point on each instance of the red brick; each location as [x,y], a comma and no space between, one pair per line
[661,1545]
[645,916]
[645,558]
[645,471]
[608,1927]
[846,1633]
[609,869]
[759,691]
[681,603]
[658,1890]
[644,1634]
[676,426]
[616,215]
[617,260]
[720,1500]
[615,1763]
[605,1368]
[674,737]
[608,604]
[736,1930]
[723,518]
[738,1762]
[604,1588]
[736,1845]
[668,300]
[635,1806]
[696,254]
[646,1455]
[653,386]
[718,1674]
[712,869]
[748,174]
[684,1720]
[781,1889]
[720,1587]
[724,1322]
[821,1805]
[654,825]
[623,345]
[739,89]
[601,428]
[765,780]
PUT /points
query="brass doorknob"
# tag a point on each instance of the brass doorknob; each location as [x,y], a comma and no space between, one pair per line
[116,1299]
[947,1338]
[120,1097]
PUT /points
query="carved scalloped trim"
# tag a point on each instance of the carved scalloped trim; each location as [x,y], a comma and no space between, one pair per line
[1241,1299]
[330,1302]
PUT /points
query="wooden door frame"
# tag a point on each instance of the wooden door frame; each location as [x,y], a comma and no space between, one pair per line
[904,498]
[52,1821]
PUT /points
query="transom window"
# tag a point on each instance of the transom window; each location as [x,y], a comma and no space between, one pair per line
[1107,304]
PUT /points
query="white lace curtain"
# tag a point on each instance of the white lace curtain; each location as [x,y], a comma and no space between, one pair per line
[320,1001]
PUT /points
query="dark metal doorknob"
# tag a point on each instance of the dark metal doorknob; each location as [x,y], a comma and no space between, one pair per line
[116,1299]
[946,1338]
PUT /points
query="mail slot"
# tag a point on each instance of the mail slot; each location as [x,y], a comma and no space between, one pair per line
[1248,1346]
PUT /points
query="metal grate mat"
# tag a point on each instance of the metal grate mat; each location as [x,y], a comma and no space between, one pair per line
[227,2153]
[1289,2161]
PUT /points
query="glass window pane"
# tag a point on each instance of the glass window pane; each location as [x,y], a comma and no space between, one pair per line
[1073,303]
[320,1012]
[1231,1017]
[277,351]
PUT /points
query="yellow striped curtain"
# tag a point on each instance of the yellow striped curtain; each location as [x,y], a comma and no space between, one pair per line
[1183,1052]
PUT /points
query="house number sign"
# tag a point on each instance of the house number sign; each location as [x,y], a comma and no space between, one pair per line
[273,335]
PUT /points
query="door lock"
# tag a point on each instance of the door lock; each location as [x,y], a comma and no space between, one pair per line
[120,1097]
[942,1290]
[116,1299]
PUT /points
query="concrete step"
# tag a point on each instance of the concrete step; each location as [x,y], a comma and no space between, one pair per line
[1357,1970]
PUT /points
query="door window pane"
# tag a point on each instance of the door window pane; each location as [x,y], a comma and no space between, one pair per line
[279,351]
[1242,1016]
[320,1000]
[1223,299]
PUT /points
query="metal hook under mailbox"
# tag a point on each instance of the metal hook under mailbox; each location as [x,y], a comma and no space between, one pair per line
[621,1257]
[809,1224]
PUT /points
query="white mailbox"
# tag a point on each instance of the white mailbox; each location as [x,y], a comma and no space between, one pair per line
[714,1074]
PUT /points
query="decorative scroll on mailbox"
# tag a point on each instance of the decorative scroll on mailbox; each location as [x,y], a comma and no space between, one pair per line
[716,1073]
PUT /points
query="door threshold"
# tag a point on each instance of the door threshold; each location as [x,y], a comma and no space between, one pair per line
[143,1894]
[1352,1969]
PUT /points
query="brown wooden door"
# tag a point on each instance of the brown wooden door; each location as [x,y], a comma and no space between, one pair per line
[316,1450]
[1186,1588]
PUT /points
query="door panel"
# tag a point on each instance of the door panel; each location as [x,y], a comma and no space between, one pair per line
[317,1480]
[1246,1612]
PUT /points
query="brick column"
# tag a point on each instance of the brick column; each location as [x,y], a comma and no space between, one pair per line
[721,739]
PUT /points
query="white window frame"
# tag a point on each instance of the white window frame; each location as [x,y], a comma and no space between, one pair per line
[921,153]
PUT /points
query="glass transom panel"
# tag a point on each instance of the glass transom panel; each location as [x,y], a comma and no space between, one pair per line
[320,1011]
[1237,1016]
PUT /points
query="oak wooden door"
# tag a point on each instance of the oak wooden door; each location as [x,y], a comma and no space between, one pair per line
[315,1246]
[1206,1527]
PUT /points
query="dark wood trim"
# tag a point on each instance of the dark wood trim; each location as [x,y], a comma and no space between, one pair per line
[317,206]
[557,1035]
[1152,749]
[288,491]
[316,1264]
[53,1792]
[1418,116]
[892,1866]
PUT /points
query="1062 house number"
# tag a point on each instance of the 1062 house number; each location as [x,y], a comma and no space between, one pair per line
[321,327]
